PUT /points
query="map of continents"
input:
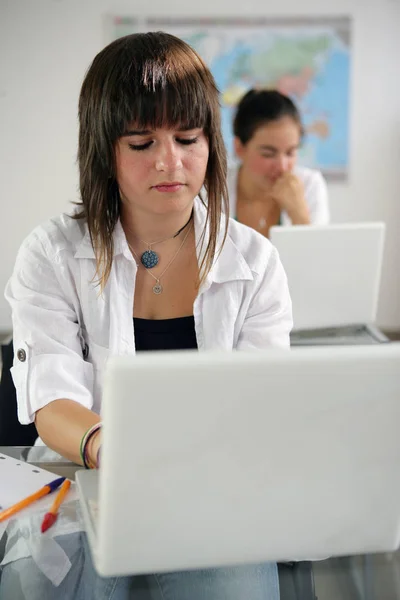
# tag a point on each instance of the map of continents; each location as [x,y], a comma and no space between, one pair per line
[309,61]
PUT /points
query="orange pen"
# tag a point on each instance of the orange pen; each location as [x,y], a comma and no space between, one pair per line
[47,489]
[51,516]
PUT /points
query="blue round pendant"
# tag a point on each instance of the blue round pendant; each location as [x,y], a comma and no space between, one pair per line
[149,259]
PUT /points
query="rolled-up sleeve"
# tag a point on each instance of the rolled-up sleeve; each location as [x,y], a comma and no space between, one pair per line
[269,317]
[48,357]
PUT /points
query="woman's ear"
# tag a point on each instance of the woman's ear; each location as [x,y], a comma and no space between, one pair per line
[238,147]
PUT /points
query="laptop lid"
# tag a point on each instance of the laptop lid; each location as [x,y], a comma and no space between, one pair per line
[333,271]
[223,458]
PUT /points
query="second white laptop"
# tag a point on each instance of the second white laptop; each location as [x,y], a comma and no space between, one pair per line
[333,271]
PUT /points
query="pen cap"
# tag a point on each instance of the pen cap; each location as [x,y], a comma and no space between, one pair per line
[53,485]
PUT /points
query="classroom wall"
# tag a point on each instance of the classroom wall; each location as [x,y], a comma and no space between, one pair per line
[46,46]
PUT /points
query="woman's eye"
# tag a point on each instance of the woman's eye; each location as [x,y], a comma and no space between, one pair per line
[139,147]
[188,141]
[183,141]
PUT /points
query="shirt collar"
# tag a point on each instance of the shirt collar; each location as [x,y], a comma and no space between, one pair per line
[229,263]
[85,248]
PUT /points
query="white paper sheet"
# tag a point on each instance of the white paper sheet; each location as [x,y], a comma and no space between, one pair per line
[18,480]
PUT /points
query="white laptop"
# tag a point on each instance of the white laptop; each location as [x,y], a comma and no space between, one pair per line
[224,458]
[333,271]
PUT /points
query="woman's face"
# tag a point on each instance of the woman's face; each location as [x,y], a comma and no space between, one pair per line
[272,150]
[162,170]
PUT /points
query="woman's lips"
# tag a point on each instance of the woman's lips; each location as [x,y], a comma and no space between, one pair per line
[174,186]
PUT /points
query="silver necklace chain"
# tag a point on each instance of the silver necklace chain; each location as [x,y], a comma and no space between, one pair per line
[157,287]
[171,237]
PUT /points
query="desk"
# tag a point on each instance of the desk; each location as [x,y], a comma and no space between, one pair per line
[44,458]
[364,577]
[335,336]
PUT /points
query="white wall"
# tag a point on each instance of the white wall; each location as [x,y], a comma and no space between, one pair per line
[46,46]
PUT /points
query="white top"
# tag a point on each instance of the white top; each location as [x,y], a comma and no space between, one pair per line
[315,190]
[64,330]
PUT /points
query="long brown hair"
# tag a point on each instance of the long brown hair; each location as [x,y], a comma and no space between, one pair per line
[152,80]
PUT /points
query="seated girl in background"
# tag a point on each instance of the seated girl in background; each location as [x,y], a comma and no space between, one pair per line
[268,188]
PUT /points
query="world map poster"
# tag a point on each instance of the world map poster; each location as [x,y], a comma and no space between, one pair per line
[308,59]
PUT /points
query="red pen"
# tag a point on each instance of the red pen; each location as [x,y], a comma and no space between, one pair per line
[51,516]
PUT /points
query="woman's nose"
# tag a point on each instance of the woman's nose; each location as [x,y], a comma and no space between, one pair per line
[168,158]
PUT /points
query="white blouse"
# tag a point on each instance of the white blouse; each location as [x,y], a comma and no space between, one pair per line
[315,191]
[64,330]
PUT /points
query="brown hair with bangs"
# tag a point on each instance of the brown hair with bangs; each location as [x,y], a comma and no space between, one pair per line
[152,80]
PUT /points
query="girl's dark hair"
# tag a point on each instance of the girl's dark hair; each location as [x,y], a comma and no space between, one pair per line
[151,80]
[259,107]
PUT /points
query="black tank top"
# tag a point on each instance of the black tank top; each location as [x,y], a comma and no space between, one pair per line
[165,334]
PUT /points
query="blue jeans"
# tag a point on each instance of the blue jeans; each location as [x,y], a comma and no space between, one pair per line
[22,580]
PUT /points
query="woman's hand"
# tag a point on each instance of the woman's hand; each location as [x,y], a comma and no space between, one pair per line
[288,193]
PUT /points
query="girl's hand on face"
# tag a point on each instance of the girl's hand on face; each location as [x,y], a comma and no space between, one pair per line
[288,193]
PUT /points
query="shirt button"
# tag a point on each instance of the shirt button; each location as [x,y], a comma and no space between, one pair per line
[85,352]
[21,355]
